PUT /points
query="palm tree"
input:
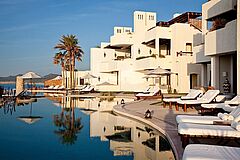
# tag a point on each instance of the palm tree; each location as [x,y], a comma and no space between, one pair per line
[59,58]
[69,45]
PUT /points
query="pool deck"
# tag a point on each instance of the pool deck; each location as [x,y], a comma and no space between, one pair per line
[163,119]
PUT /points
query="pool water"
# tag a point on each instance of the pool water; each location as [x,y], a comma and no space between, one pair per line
[44,130]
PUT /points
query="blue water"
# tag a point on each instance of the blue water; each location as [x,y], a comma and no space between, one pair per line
[42,139]
[13,85]
[20,140]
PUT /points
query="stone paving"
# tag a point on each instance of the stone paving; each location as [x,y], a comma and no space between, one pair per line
[163,119]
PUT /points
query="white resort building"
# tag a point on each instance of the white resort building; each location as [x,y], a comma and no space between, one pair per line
[123,62]
[217,48]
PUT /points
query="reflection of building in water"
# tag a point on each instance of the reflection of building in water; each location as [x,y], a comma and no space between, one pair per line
[128,137]
[93,103]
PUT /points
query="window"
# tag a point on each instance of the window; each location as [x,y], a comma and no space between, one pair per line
[104,55]
[127,30]
[118,30]
[188,47]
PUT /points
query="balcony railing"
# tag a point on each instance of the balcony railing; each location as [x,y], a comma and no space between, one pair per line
[181,53]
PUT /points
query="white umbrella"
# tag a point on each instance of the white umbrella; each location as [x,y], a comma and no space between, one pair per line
[89,76]
[57,78]
[105,84]
[30,75]
[160,72]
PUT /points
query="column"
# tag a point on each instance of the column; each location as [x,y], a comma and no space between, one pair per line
[238,46]
[215,72]
[204,75]
[157,46]
[19,85]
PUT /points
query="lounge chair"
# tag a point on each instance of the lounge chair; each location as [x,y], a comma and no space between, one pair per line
[56,87]
[61,87]
[227,105]
[50,87]
[208,97]
[208,119]
[87,89]
[153,91]
[193,94]
[226,130]
[210,152]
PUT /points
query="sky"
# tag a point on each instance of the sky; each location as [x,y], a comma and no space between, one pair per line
[29,29]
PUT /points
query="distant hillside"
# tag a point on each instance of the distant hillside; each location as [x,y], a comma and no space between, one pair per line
[38,80]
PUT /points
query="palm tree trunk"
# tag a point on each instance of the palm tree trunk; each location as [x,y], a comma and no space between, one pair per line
[63,76]
[74,72]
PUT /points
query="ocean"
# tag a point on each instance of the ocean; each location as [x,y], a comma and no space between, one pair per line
[13,86]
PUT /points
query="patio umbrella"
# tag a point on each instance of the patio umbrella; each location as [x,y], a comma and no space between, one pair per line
[30,75]
[89,76]
[106,84]
[160,72]
[30,119]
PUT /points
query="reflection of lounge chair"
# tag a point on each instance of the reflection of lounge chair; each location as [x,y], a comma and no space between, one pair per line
[208,97]
[227,105]
[208,119]
[210,152]
[193,94]
[153,91]
[187,130]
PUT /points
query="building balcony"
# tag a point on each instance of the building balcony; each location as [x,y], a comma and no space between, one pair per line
[199,56]
[145,63]
[122,40]
[197,39]
[223,40]
[108,66]
[157,32]
[215,8]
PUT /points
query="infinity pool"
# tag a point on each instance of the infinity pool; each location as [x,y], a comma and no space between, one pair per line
[47,129]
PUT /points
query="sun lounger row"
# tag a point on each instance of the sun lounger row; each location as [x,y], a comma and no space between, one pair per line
[86,88]
[222,126]
[193,99]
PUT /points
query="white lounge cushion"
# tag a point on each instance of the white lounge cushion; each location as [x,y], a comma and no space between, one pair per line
[210,152]
[234,101]
[206,98]
[207,130]
[225,116]
[196,119]
[171,99]
[213,105]
[152,91]
[193,94]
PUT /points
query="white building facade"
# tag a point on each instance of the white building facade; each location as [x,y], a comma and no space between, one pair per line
[218,45]
[130,53]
